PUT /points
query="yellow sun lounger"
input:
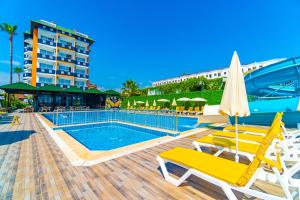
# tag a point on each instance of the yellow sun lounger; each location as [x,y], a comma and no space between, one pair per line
[247,129]
[227,174]
[241,136]
[225,141]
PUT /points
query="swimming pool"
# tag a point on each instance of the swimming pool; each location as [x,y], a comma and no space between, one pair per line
[112,135]
[153,119]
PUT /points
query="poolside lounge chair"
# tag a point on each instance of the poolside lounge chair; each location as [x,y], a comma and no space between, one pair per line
[179,109]
[227,174]
[263,131]
[189,111]
[158,108]
[225,141]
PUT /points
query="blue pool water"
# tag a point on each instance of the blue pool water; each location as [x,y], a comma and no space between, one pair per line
[108,136]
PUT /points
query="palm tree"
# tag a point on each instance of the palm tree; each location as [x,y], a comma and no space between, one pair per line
[130,88]
[11,30]
[18,70]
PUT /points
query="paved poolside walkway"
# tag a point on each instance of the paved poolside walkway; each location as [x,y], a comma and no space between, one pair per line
[33,167]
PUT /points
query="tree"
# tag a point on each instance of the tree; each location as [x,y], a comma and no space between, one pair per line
[11,30]
[130,88]
[18,70]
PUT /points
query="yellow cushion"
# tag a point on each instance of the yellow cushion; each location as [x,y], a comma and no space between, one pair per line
[241,136]
[260,154]
[230,144]
[220,168]
[250,129]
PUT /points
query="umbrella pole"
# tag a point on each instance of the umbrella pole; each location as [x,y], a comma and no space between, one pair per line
[236,140]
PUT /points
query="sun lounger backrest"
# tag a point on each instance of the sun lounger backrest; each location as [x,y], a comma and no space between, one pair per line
[260,154]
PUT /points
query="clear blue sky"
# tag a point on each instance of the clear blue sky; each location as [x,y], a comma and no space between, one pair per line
[150,40]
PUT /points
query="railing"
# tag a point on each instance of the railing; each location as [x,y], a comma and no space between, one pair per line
[66,46]
[81,63]
[49,57]
[156,119]
[70,60]
[82,51]
[47,71]
[47,42]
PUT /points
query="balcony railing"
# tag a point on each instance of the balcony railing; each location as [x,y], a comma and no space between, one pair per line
[77,62]
[27,56]
[27,49]
[27,62]
[47,71]
[63,86]
[70,60]
[49,57]
[82,51]
[65,46]
[81,75]
[47,28]
[47,42]
[63,72]
[26,74]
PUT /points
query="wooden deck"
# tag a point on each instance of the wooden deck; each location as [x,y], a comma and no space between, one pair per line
[33,167]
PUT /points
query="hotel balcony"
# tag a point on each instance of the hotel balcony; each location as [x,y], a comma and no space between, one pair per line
[47,42]
[86,52]
[27,56]
[77,75]
[63,72]
[46,28]
[47,71]
[70,60]
[27,62]
[49,57]
[63,86]
[27,49]
[81,63]
[59,44]
[27,74]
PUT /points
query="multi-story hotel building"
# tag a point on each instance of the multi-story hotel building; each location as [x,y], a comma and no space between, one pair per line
[218,73]
[56,55]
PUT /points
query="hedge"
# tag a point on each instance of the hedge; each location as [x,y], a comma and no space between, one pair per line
[213,97]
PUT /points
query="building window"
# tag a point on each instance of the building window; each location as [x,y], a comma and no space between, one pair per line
[80,71]
[63,55]
[46,66]
[45,80]
[80,59]
[224,73]
[43,37]
[45,52]
[80,47]
[65,43]
[219,74]
[64,82]
[80,83]
[64,68]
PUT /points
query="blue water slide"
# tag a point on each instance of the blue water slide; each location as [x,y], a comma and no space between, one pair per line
[278,79]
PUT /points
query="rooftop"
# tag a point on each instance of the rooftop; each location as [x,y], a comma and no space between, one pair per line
[53,25]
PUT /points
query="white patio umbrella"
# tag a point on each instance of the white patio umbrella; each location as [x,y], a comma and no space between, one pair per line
[163,101]
[140,102]
[183,99]
[147,103]
[134,103]
[174,102]
[198,99]
[154,103]
[234,100]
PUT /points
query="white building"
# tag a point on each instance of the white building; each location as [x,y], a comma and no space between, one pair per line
[218,73]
